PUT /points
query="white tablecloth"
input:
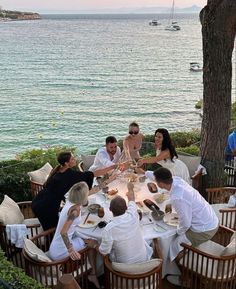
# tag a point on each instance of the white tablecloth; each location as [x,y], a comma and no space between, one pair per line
[151,229]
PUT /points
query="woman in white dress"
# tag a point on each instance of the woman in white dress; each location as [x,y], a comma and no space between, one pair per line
[64,243]
[166,155]
[132,143]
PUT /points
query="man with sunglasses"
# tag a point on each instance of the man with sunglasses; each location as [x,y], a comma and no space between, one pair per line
[108,156]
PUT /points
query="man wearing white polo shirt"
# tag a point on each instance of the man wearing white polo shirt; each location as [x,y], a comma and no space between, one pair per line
[108,156]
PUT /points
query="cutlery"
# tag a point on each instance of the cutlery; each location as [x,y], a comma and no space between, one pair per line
[86,218]
[95,228]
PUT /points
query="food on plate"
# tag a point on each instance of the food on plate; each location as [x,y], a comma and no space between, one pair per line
[152,187]
[90,222]
[161,198]
[112,192]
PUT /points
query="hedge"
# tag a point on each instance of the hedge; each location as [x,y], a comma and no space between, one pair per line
[15,277]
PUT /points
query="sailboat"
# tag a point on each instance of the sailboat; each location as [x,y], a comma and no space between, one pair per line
[173,25]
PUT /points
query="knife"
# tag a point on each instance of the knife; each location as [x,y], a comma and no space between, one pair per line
[86,218]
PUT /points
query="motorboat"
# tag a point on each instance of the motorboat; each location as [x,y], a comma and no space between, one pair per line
[195,66]
[154,22]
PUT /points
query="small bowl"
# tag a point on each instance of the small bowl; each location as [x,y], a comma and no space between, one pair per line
[105,190]
[158,215]
[93,208]
[142,179]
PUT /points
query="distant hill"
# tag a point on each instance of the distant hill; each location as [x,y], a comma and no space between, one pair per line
[17,15]
[128,10]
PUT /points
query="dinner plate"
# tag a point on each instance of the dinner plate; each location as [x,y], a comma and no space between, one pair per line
[91,222]
[171,219]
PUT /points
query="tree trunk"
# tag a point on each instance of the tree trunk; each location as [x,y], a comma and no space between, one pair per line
[218,21]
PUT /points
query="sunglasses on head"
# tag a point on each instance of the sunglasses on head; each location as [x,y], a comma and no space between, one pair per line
[133,132]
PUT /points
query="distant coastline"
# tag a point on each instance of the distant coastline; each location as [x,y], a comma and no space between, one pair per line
[7,15]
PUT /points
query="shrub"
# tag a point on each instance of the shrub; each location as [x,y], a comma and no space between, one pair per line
[14,180]
[192,150]
[16,277]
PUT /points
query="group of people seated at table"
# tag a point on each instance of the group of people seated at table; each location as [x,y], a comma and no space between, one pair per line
[121,238]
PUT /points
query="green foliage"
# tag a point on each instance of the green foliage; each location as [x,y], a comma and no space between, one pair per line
[185,139]
[192,150]
[14,180]
[199,104]
[16,277]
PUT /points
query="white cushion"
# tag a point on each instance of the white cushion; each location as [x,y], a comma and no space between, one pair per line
[34,252]
[40,176]
[10,212]
[192,162]
[87,161]
[137,268]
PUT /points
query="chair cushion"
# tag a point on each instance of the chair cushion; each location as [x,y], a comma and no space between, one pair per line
[192,162]
[137,268]
[34,252]
[40,176]
[230,249]
[87,161]
[10,212]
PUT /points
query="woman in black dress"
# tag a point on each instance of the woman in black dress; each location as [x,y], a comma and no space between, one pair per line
[46,204]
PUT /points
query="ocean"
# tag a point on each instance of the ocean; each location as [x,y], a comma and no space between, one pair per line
[75,79]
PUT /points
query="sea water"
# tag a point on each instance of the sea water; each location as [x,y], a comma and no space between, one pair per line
[75,79]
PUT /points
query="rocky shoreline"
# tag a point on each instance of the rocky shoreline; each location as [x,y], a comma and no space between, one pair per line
[7,15]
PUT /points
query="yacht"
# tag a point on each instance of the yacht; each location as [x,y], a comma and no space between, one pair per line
[173,25]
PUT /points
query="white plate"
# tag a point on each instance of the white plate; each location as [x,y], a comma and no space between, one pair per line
[91,222]
[171,219]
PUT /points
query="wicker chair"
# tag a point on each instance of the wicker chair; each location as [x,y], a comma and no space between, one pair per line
[208,266]
[48,273]
[35,188]
[119,278]
[219,195]
[13,253]
[228,218]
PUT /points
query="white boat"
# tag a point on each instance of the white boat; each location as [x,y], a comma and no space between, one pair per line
[195,66]
[173,25]
[154,22]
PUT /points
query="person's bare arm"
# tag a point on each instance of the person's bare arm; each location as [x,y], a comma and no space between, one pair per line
[162,156]
[73,213]
[130,194]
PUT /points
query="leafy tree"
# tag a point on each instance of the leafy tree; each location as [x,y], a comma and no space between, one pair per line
[218,19]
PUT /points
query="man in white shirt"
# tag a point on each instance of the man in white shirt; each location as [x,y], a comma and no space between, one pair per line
[122,237]
[198,222]
[108,156]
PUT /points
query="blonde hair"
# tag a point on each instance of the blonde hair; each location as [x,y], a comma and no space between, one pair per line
[78,193]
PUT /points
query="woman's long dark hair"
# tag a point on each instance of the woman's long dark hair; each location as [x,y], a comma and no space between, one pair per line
[62,158]
[167,142]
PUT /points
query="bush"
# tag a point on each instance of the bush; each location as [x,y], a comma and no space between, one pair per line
[16,277]
[14,180]
[185,139]
[192,150]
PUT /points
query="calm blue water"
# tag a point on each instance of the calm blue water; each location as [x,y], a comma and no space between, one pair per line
[73,80]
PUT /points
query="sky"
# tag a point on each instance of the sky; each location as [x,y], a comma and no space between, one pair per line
[37,5]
